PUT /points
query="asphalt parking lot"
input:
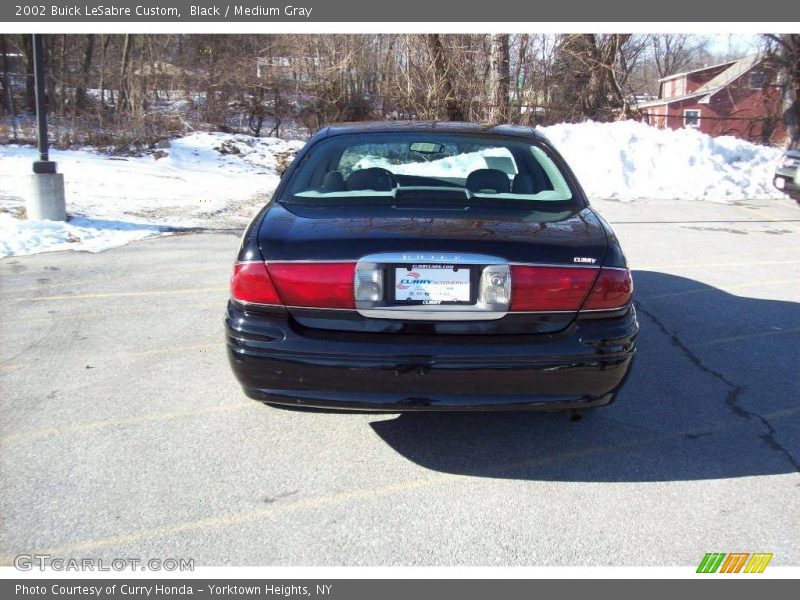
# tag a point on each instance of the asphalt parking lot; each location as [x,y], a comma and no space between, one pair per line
[124,434]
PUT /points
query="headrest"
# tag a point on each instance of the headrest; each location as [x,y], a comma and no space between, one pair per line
[374,178]
[523,184]
[333,182]
[492,180]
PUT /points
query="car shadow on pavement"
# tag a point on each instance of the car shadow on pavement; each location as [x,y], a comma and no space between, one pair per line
[713,394]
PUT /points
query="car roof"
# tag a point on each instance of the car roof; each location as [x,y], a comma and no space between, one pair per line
[483,129]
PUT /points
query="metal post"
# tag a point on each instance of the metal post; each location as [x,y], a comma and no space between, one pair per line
[46,199]
[43,165]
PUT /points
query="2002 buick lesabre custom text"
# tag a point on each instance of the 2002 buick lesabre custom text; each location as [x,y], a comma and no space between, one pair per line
[430,266]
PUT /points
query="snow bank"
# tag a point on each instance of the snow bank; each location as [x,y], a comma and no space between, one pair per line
[18,237]
[199,180]
[187,183]
[630,160]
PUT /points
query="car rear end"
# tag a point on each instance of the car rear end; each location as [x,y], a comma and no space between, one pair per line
[787,175]
[409,294]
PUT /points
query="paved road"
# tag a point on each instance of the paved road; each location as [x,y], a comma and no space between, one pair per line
[123,432]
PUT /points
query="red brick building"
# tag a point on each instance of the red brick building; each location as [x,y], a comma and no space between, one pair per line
[739,98]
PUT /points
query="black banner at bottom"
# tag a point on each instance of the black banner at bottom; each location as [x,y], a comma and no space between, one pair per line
[385,589]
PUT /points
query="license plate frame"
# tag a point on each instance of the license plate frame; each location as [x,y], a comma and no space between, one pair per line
[433,272]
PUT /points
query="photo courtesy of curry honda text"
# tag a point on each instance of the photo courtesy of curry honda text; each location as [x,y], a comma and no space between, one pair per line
[430,266]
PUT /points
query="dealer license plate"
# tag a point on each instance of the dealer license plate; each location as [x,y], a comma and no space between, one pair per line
[432,284]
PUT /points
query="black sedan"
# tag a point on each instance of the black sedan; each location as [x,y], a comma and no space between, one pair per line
[430,266]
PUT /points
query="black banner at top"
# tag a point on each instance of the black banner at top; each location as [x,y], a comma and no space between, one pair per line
[321,11]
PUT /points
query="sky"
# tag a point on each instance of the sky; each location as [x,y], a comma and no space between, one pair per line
[736,44]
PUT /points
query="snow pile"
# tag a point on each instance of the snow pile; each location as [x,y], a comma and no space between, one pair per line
[200,180]
[18,237]
[187,183]
[630,160]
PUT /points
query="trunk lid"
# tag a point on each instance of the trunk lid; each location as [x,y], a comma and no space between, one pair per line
[325,233]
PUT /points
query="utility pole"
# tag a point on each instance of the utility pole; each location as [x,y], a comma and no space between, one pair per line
[46,197]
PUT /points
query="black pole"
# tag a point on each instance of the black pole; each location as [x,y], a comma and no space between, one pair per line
[43,165]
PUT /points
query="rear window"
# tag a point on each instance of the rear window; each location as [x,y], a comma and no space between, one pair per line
[428,166]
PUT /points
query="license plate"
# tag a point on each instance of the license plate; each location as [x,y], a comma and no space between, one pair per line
[432,284]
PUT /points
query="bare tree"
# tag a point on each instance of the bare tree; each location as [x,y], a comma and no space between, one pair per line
[30,92]
[153,86]
[589,71]
[123,96]
[672,52]
[103,54]
[444,76]
[8,90]
[88,55]
[785,49]
[499,75]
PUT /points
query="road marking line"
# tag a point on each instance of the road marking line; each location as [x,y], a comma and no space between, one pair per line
[130,294]
[772,218]
[248,516]
[122,422]
[327,500]
[93,314]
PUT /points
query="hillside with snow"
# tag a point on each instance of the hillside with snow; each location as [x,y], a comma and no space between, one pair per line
[217,180]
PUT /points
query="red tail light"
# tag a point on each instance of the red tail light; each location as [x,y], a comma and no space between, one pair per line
[566,289]
[613,289]
[330,285]
[251,283]
[549,288]
[315,285]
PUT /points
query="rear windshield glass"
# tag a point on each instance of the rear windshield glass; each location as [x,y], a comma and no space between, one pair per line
[428,166]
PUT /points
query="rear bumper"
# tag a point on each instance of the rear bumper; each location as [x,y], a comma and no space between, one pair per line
[786,182]
[279,361]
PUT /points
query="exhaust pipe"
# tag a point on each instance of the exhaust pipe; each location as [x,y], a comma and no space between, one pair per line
[574,415]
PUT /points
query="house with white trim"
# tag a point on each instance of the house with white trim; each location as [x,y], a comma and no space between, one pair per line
[740,98]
